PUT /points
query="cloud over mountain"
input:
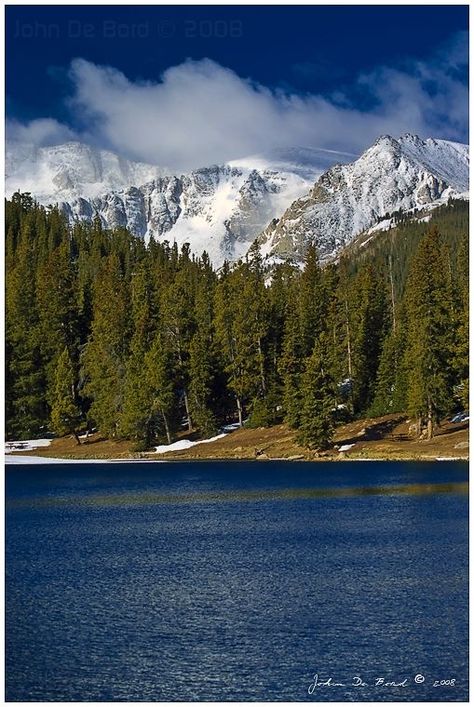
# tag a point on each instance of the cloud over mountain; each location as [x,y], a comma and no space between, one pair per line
[202,113]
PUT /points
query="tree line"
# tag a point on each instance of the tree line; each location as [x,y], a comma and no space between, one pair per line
[144,341]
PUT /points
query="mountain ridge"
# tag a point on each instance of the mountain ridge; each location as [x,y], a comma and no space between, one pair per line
[217,208]
[284,199]
[391,175]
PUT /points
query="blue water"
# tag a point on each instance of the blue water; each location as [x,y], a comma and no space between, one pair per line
[236,581]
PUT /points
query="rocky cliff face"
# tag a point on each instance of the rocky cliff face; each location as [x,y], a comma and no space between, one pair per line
[404,174]
[286,198]
[219,209]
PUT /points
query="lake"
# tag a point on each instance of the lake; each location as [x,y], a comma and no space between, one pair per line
[237,581]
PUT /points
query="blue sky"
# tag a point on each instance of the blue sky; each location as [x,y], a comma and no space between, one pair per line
[189,85]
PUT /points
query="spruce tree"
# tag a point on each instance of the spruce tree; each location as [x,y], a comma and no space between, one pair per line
[390,388]
[369,325]
[225,311]
[176,308]
[26,406]
[160,376]
[57,305]
[65,411]
[105,356]
[312,301]
[136,417]
[429,333]
[201,376]
[202,355]
[460,351]
[291,364]
[317,416]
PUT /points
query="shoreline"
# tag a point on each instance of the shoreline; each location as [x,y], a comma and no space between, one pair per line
[383,439]
[43,460]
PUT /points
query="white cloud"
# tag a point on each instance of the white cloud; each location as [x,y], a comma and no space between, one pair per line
[201,113]
[43,131]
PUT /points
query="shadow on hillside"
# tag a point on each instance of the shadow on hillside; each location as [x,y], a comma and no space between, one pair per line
[451,427]
[377,431]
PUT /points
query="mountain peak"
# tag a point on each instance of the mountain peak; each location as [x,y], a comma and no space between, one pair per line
[408,173]
[219,208]
[288,195]
[387,140]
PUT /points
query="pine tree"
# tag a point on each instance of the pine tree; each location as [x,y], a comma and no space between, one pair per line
[225,310]
[26,407]
[460,352]
[160,376]
[202,355]
[136,417]
[317,417]
[390,390]
[57,305]
[65,412]
[106,353]
[370,324]
[201,375]
[345,335]
[177,313]
[254,300]
[429,333]
[291,364]
[312,300]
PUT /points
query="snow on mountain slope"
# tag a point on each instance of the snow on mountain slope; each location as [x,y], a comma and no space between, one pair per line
[220,209]
[306,162]
[408,173]
[285,197]
[70,170]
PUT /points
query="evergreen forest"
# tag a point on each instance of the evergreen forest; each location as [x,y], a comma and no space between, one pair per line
[145,342]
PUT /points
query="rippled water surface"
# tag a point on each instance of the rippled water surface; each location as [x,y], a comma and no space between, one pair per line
[236,581]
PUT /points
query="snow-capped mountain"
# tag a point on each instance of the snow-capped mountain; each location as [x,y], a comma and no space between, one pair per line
[69,171]
[220,209]
[408,173]
[285,198]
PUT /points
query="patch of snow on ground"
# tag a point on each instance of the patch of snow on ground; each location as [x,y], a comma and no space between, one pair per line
[24,459]
[230,428]
[185,444]
[461,417]
[26,445]
[380,226]
[346,447]
[367,240]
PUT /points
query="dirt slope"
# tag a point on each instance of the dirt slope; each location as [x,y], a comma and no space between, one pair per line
[385,437]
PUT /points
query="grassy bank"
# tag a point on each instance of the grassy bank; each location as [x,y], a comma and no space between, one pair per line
[384,438]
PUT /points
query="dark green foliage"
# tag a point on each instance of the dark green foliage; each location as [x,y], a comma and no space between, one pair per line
[430,332]
[317,413]
[291,365]
[459,360]
[390,392]
[146,342]
[266,411]
[105,355]
[65,412]
[370,309]
[159,376]
[26,406]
